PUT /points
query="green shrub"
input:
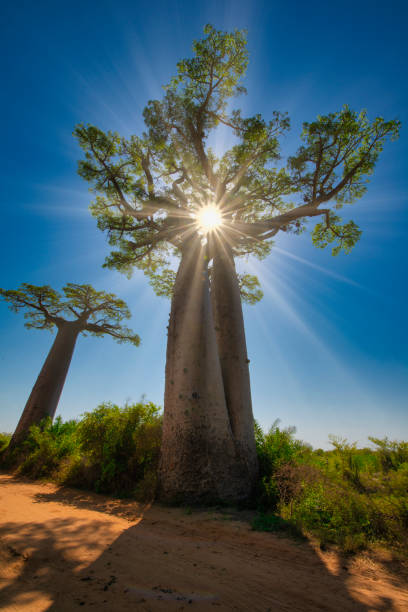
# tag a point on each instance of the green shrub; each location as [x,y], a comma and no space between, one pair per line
[392,453]
[120,448]
[275,448]
[346,496]
[111,450]
[333,514]
[275,524]
[46,446]
[4,441]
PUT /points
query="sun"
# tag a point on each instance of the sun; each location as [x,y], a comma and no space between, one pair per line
[209,218]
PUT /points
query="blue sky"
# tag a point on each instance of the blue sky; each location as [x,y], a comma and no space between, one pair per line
[328,344]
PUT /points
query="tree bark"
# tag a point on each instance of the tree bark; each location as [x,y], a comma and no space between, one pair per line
[230,334]
[198,456]
[44,397]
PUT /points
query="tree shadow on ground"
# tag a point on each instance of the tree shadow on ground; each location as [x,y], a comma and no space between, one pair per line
[97,502]
[170,561]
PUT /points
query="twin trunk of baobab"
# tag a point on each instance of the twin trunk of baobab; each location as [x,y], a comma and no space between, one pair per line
[208,449]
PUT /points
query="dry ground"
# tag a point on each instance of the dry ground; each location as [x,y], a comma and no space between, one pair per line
[62,550]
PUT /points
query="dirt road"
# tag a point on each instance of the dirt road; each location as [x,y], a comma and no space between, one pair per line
[62,550]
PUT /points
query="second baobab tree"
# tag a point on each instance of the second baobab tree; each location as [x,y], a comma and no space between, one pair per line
[165,195]
[81,310]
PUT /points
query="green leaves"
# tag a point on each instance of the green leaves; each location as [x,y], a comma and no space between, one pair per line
[345,236]
[43,304]
[250,288]
[340,152]
[219,62]
[111,164]
[163,282]
[94,312]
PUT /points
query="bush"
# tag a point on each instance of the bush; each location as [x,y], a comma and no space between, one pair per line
[391,453]
[120,448]
[333,514]
[46,446]
[4,441]
[275,524]
[275,448]
[346,496]
[111,450]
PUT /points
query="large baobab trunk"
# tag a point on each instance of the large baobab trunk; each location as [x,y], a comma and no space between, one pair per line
[198,456]
[230,333]
[43,400]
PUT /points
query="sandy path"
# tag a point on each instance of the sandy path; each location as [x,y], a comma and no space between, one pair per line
[61,549]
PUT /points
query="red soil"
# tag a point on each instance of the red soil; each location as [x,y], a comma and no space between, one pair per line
[62,549]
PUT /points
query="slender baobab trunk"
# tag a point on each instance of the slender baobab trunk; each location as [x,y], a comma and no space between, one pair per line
[43,400]
[198,455]
[230,333]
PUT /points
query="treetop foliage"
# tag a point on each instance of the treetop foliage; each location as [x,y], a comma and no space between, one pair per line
[150,187]
[93,312]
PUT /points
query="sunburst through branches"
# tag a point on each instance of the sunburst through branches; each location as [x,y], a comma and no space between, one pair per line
[209,218]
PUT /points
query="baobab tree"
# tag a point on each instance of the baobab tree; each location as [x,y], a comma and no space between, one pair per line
[82,310]
[165,195]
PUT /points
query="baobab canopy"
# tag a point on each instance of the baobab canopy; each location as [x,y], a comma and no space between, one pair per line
[95,312]
[152,188]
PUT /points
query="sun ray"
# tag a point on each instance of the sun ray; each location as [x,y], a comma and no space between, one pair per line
[284,298]
[321,269]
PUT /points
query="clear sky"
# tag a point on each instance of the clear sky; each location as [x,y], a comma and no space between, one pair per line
[328,343]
